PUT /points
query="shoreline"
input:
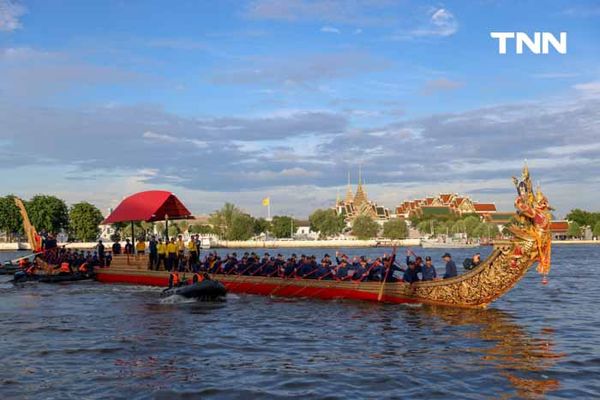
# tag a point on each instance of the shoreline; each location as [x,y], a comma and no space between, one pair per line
[285,244]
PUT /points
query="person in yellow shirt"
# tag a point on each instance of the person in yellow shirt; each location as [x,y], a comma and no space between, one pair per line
[161,250]
[180,251]
[140,248]
[171,255]
[193,259]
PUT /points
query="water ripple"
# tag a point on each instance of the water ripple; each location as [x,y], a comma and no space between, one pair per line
[105,341]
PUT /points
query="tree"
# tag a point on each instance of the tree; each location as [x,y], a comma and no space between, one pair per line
[426,227]
[574,230]
[222,219]
[146,229]
[596,230]
[174,229]
[201,229]
[123,229]
[583,218]
[364,227]
[242,227]
[442,228]
[471,223]
[48,213]
[395,229]
[281,226]
[260,226]
[11,222]
[327,222]
[84,219]
[485,230]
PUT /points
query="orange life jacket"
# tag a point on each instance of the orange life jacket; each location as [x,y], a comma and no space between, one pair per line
[198,277]
[64,267]
[175,279]
[30,270]
[22,262]
[83,267]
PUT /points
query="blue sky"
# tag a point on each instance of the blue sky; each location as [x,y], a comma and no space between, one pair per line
[237,100]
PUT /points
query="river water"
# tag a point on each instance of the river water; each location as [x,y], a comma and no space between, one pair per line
[91,340]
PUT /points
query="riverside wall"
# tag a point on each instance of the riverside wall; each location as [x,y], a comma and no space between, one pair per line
[272,244]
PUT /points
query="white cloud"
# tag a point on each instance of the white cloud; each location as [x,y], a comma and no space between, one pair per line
[589,89]
[157,137]
[330,29]
[10,14]
[441,23]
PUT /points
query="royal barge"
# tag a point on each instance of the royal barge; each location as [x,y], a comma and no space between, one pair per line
[508,262]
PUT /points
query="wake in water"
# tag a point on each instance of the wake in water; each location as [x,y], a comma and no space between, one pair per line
[176,299]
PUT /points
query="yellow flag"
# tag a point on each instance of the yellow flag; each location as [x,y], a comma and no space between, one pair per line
[266,201]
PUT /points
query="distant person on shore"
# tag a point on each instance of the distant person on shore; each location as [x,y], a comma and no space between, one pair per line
[128,247]
[471,263]
[428,270]
[153,252]
[116,248]
[100,251]
[450,266]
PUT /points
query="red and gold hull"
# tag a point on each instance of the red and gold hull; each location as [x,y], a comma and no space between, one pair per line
[327,290]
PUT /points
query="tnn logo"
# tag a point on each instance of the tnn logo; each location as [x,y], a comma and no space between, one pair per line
[540,44]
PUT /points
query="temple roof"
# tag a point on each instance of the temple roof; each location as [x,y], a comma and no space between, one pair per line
[484,207]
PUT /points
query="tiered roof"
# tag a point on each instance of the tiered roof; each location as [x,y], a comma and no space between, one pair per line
[444,204]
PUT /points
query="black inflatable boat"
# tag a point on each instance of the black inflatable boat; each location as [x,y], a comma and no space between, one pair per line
[206,290]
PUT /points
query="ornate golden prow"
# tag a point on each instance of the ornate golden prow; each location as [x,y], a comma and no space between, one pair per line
[534,218]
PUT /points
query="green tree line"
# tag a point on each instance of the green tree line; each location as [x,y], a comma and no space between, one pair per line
[50,214]
[471,225]
[580,218]
[81,220]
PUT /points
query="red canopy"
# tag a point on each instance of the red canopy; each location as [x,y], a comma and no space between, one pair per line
[153,205]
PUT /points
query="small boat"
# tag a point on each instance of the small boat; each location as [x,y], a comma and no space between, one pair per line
[207,290]
[9,268]
[22,277]
[451,244]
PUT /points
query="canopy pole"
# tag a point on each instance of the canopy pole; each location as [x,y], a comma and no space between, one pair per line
[167,229]
[132,237]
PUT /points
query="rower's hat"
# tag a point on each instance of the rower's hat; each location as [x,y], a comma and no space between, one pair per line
[446,255]
[428,258]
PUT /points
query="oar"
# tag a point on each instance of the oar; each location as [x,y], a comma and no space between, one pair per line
[387,272]
[16,260]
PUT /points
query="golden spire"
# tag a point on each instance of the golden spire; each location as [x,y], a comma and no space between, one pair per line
[361,196]
[349,197]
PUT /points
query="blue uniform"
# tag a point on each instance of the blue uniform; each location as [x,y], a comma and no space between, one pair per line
[428,273]
[450,270]
[410,275]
